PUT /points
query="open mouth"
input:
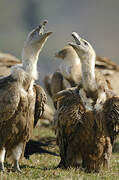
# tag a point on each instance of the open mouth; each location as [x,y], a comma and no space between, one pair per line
[76,38]
[41,29]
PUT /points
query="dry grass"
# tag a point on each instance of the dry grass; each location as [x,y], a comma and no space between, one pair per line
[43,167]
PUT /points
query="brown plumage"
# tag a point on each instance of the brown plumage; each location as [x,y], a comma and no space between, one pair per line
[82,136]
[87,116]
[21,100]
[40,103]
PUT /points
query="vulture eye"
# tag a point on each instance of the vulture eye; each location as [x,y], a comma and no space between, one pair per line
[85,43]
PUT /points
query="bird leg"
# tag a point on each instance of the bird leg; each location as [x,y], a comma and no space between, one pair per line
[2,156]
[16,154]
[16,166]
[2,166]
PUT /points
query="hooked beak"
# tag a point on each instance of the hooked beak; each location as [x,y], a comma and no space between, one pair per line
[41,31]
[40,34]
[47,34]
[77,39]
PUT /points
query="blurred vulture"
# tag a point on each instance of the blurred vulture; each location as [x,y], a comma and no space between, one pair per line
[87,116]
[6,62]
[21,100]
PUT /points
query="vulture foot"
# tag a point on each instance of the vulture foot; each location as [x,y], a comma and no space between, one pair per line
[2,167]
[16,166]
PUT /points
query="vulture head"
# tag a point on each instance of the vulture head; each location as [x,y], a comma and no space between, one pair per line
[35,41]
[82,47]
[68,54]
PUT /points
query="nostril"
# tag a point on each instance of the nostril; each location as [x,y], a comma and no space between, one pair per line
[73,35]
[76,39]
[78,43]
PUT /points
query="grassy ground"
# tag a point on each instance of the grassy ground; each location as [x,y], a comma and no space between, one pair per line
[43,167]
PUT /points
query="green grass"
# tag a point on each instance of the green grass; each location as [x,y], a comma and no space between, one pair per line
[43,167]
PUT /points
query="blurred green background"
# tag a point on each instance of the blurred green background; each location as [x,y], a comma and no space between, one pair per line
[95,20]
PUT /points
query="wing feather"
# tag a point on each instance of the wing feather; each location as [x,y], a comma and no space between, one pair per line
[68,93]
[57,83]
[111,112]
[106,63]
[9,98]
[40,102]
[47,84]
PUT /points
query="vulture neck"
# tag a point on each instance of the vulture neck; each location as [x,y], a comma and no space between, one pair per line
[67,64]
[88,73]
[72,61]
[29,61]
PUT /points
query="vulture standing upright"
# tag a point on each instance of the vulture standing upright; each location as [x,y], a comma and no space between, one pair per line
[21,100]
[87,116]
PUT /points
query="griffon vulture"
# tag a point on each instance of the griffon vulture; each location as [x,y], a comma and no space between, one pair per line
[21,101]
[87,116]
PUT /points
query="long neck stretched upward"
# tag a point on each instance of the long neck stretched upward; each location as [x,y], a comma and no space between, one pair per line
[88,73]
[29,61]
